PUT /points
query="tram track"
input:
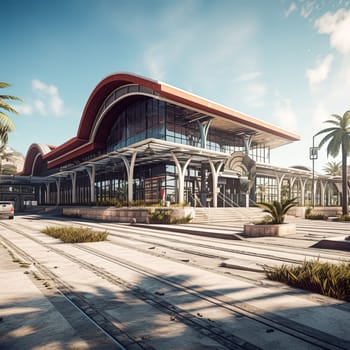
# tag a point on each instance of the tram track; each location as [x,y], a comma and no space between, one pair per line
[277,323]
[239,247]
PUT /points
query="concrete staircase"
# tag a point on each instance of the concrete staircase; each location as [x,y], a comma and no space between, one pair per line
[234,215]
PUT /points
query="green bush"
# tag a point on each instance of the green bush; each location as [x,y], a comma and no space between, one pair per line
[163,216]
[159,216]
[73,234]
[314,215]
[343,217]
[328,279]
[277,210]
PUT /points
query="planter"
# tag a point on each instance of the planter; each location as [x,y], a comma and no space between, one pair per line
[252,230]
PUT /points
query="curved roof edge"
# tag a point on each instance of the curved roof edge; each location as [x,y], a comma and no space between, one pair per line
[75,146]
[35,150]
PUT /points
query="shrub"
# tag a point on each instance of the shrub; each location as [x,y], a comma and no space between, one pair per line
[343,217]
[314,215]
[73,234]
[159,216]
[163,216]
[328,279]
[277,210]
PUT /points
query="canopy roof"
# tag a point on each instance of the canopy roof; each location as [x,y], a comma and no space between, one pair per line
[88,139]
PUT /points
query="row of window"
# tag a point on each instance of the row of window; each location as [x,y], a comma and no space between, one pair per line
[152,118]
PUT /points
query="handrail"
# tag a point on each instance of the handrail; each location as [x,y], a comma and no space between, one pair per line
[228,200]
[195,199]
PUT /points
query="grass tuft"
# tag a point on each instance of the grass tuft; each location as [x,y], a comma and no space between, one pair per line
[332,280]
[71,234]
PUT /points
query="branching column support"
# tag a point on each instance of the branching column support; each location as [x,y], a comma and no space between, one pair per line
[73,177]
[279,186]
[303,186]
[58,187]
[323,193]
[247,140]
[204,126]
[215,169]
[130,172]
[91,170]
[47,194]
[181,175]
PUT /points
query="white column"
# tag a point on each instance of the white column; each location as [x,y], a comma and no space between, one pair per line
[279,186]
[91,170]
[130,172]
[247,140]
[58,187]
[47,194]
[215,175]
[302,185]
[203,129]
[73,177]
[323,193]
[181,175]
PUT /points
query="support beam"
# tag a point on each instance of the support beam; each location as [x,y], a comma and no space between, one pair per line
[204,126]
[279,186]
[130,172]
[247,140]
[303,186]
[91,170]
[58,187]
[181,176]
[73,177]
[47,194]
[215,169]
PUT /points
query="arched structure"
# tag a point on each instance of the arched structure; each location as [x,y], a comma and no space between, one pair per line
[141,139]
[34,163]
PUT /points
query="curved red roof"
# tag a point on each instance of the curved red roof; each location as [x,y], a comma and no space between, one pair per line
[83,142]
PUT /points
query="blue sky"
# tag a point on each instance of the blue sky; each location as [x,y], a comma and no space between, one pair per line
[284,62]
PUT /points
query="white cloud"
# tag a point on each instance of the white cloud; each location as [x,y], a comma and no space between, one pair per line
[291,9]
[320,72]
[45,101]
[49,100]
[40,107]
[24,109]
[307,8]
[337,25]
[286,115]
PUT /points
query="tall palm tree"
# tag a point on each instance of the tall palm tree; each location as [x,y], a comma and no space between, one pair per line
[6,123]
[333,168]
[338,138]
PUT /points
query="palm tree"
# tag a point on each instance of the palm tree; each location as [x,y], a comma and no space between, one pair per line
[332,168]
[277,210]
[338,137]
[6,124]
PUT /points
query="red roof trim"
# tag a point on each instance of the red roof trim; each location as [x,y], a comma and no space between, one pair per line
[81,144]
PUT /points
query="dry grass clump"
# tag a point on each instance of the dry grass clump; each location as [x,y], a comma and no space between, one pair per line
[71,234]
[328,279]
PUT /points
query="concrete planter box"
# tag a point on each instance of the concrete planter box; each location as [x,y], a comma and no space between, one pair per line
[253,230]
[124,215]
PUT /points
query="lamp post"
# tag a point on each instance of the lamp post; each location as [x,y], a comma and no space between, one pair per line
[313,156]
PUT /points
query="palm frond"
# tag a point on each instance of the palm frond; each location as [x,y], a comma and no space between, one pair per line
[10,97]
[4,85]
[7,107]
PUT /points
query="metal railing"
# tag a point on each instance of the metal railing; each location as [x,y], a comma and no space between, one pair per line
[230,203]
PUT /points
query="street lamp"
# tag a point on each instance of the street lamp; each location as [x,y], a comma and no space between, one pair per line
[313,156]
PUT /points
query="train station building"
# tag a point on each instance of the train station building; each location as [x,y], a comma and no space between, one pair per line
[140,140]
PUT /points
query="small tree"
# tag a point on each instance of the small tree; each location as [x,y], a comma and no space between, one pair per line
[6,123]
[277,210]
[333,168]
[338,138]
